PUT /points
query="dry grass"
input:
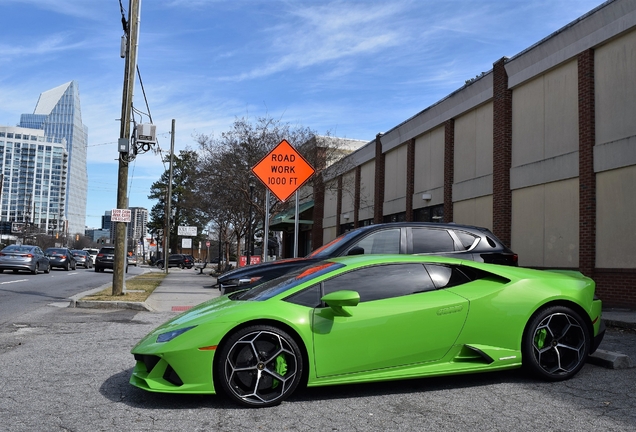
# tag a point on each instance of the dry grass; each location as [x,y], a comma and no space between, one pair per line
[138,289]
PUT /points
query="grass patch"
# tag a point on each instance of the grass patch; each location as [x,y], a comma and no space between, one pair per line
[138,289]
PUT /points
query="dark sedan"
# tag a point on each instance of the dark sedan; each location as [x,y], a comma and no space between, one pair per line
[61,258]
[452,240]
[24,257]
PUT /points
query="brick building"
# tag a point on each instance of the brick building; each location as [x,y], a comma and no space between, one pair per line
[541,149]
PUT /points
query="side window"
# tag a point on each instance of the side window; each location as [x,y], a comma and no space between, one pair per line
[427,240]
[309,297]
[381,242]
[467,239]
[382,281]
[446,276]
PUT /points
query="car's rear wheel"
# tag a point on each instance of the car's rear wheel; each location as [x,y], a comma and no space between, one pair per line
[556,343]
[259,366]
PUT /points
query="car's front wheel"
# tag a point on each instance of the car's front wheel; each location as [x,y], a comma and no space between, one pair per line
[48,268]
[36,269]
[259,366]
[556,343]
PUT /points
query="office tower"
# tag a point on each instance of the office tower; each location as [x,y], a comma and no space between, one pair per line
[58,114]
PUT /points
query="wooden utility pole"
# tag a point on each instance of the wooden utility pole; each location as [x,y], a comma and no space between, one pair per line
[132,35]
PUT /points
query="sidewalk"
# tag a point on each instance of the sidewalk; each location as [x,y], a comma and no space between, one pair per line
[181,290]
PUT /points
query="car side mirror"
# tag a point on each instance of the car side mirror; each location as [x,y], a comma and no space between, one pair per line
[338,300]
[356,251]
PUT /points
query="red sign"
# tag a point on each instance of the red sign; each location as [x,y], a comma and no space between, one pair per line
[283,170]
[253,260]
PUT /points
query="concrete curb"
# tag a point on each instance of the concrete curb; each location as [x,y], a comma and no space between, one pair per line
[619,324]
[610,360]
[90,304]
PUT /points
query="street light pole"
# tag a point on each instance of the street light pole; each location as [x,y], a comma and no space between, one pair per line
[168,210]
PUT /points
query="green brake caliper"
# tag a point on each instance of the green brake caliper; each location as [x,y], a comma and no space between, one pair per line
[539,338]
[281,369]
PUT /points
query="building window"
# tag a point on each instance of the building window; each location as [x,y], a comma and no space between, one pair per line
[429,214]
[396,217]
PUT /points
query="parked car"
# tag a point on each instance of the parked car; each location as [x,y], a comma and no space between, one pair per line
[177,260]
[62,258]
[373,318]
[105,259]
[453,240]
[132,260]
[24,257]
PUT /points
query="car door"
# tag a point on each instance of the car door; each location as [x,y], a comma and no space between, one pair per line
[385,241]
[401,319]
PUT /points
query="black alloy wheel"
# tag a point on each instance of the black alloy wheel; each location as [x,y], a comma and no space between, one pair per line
[556,343]
[259,366]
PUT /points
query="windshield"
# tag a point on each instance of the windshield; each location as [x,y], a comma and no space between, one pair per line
[328,250]
[286,282]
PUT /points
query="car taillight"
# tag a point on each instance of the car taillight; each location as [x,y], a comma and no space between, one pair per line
[28,256]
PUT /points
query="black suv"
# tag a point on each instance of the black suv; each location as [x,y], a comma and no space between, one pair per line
[105,259]
[178,260]
[452,240]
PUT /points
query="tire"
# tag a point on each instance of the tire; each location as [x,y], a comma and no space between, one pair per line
[259,379]
[36,270]
[181,266]
[15,271]
[556,344]
[160,265]
[66,267]
[1,270]
[47,270]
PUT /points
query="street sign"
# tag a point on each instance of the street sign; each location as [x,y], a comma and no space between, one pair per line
[187,231]
[120,215]
[283,170]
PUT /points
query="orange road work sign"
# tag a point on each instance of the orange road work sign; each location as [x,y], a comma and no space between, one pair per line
[283,170]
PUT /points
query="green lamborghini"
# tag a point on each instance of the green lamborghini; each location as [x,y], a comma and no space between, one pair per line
[373,318]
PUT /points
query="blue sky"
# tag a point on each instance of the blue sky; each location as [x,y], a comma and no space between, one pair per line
[348,68]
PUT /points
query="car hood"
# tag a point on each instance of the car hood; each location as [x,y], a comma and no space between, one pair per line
[248,271]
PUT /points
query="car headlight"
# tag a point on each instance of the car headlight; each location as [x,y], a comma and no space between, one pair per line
[168,336]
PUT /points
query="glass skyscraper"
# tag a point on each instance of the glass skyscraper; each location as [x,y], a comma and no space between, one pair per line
[58,114]
[34,177]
